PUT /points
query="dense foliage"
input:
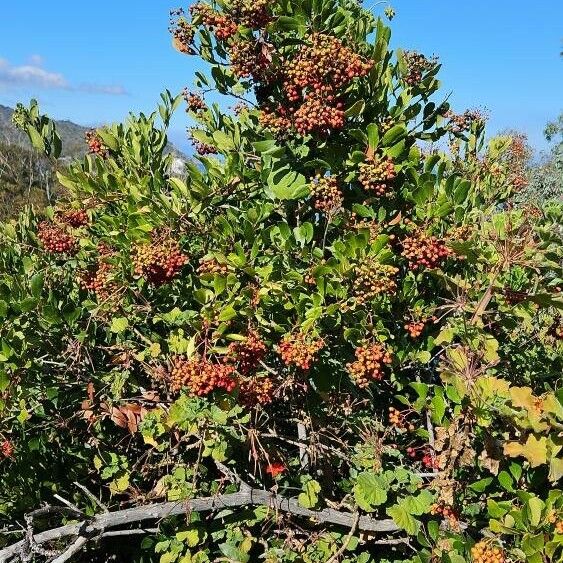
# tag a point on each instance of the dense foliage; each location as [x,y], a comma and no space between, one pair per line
[327,309]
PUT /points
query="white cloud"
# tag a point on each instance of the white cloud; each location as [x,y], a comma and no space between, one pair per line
[33,75]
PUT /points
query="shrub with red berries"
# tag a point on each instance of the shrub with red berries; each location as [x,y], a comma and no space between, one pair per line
[200,376]
[211,267]
[249,58]
[204,149]
[313,81]
[95,144]
[299,349]
[250,13]
[248,354]
[446,512]
[74,218]
[417,66]
[327,195]
[100,281]
[194,102]
[372,279]
[377,174]
[221,25]
[399,419]
[55,239]
[256,391]
[159,261]
[182,31]
[424,251]
[369,365]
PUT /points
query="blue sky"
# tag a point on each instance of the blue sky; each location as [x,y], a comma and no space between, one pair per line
[94,62]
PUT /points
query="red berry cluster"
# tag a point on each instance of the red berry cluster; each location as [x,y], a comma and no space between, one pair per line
[559,527]
[369,364]
[415,328]
[430,462]
[484,552]
[204,149]
[299,350]
[324,65]
[221,25]
[95,144]
[193,101]
[312,82]
[422,250]
[159,261]
[74,218]
[250,13]
[376,174]
[316,115]
[55,239]
[447,512]
[399,419]
[417,66]
[326,194]
[211,266]
[256,391]
[248,354]
[460,123]
[200,376]
[183,33]
[372,279]
[6,449]
[100,281]
[278,121]
[249,58]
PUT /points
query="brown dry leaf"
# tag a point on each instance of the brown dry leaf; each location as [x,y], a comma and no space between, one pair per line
[90,391]
[467,457]
[440,435]
[396,220]
[118,417]
[489,463]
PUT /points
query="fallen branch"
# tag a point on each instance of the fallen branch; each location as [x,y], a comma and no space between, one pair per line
[257,497]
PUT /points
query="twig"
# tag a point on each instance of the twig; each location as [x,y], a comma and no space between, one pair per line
[303,455]
[77,546]
[92,497]
[69,504]
[347,540]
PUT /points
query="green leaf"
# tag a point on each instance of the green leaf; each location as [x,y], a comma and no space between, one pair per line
[370,491]
[394,135]
[373,135]
[119,325]
[309,498]
[404,519]
[37,284]
[535,507]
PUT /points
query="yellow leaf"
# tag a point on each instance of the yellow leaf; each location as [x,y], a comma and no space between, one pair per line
[534,450]
[522,397]
[553,406]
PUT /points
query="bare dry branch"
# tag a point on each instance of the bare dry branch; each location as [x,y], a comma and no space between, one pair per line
[255,497]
